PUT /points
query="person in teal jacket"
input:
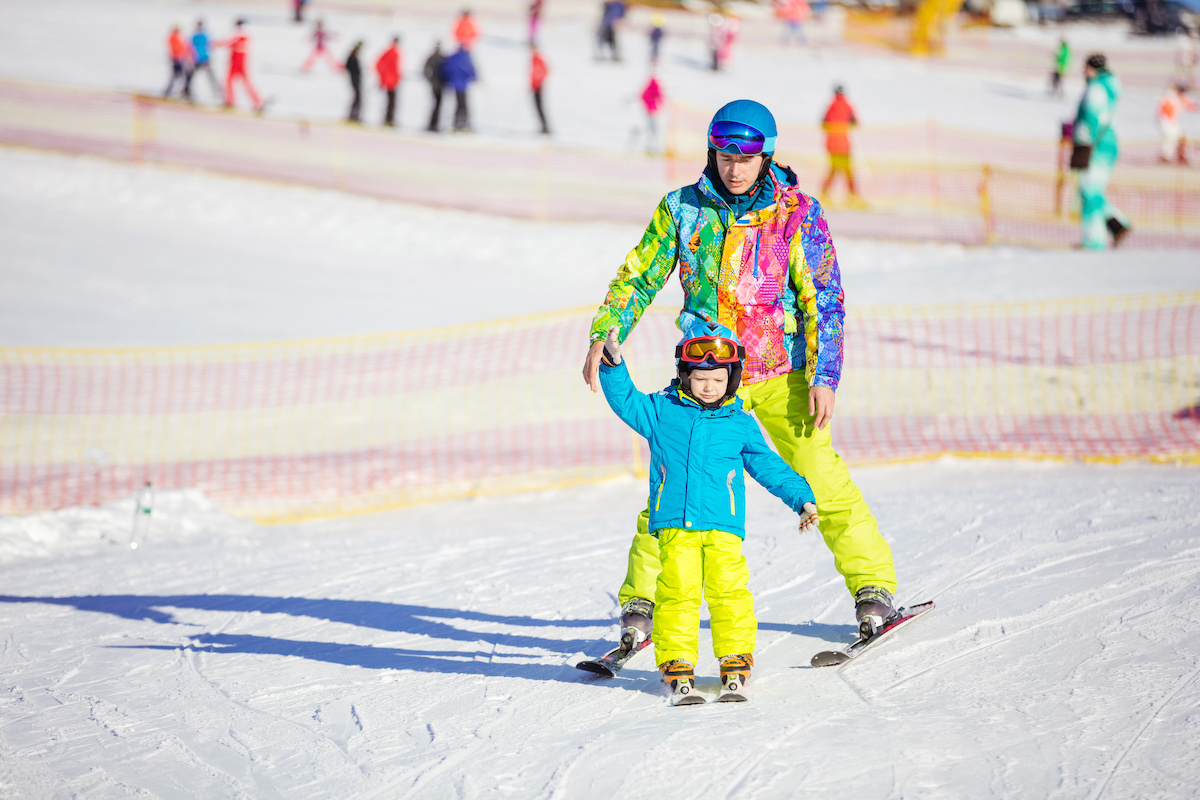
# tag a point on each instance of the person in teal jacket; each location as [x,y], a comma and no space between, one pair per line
[1094,130]
[702,444]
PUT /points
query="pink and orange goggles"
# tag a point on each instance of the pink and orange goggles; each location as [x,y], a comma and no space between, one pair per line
[710,348]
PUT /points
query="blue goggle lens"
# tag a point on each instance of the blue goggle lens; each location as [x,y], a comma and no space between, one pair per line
[736,137]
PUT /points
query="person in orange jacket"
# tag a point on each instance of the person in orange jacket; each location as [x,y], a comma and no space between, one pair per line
[239,49]
[537,77]
[839,119]
[466,31]
[181,64]
[390,73]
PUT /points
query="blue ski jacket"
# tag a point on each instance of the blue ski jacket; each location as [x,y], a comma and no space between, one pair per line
[200,47]
[699,457]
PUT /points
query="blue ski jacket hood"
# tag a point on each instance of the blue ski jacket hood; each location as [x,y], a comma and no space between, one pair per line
[699,458]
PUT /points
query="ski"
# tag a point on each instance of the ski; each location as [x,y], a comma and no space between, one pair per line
[831,658]
[732,692]
[609,664]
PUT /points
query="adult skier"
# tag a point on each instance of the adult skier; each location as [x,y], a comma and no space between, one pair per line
[754,254]
[437,85]
[239,50]
[354,73]
[180,55]
[537,78]
[459,72]
[388,68]
[1096,153]
[202,59]
[838,120]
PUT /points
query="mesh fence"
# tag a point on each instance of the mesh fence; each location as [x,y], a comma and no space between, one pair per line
[925,181]
[315,428]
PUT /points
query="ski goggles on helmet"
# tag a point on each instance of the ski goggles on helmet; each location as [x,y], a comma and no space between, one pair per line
[736,137]
[709,348]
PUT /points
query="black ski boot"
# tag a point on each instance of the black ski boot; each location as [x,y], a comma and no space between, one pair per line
[873,609]
[637,622]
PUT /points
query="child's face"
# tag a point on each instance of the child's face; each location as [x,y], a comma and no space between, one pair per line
[708,385]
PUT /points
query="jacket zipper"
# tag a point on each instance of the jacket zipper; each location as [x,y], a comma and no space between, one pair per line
[661,486]
[729,485]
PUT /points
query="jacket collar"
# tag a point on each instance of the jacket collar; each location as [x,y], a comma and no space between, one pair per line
[726,408]
[780,178]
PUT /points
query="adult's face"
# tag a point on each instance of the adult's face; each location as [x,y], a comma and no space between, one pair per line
[738,172]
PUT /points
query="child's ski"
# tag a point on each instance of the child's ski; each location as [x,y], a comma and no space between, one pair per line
[831,658]
[684,693]
[609,664]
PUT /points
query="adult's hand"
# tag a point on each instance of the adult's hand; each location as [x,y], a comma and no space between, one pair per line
[591,365]
[820,405]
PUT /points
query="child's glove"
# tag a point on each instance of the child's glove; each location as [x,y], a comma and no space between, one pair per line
[612,348]
[809,518]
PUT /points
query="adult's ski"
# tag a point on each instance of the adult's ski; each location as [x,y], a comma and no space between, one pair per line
[831,658]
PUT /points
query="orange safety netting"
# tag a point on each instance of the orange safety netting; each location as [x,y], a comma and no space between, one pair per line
[924,181]
[294,430]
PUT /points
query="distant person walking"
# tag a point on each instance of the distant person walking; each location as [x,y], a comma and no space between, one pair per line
[354,73]
[388,68]
[537,77]
[723,30]
[466,31]
[239,51]
[838,120]
[437,85]
[202,60]
[321,39]
[180,55]
[459,72]
[1170,107]
[535,19]
[652,101]
[611,14]
[658,29]
[298,10]
[793,14]
[1095,154]
[1062,61]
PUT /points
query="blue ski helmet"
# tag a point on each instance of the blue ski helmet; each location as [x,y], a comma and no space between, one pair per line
[724,133]
[710,345]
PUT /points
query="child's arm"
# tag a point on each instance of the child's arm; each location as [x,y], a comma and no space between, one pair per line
[766,467]
[634,408]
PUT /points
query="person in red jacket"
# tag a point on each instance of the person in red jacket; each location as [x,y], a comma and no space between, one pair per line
[181,64]
[239,48]
[466,31]
[537,77]
[390,72]
[839,119]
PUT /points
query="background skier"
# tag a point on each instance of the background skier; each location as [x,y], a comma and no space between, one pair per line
[1096,153]
[838,120]
[785,305]
[537,77]
[202,60]
[239,51]
[388,68]
[354,73]
[459,72]
[1170,107]
[180,55]
[437,85]
[321,39]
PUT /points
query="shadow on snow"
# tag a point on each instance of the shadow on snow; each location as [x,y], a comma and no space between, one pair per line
[435,623]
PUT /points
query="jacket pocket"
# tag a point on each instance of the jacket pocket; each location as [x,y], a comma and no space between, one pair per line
[662,485]
[732,496]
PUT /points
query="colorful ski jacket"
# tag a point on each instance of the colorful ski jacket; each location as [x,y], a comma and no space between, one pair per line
[771,276]
[699,457]
[1094,119]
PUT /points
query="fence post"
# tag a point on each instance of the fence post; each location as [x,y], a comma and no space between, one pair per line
[985,205]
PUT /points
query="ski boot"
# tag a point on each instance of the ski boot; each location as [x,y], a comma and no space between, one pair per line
[873,609]
[680,676]
[637,622]
[735,671]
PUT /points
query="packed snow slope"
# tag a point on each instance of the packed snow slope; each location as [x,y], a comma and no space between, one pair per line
[428,653]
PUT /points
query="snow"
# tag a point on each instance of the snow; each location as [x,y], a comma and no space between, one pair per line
[427,653]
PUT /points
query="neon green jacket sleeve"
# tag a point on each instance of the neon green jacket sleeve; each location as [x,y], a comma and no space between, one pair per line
[639,279]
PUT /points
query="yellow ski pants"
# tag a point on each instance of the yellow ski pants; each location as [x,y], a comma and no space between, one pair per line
[712,561]
[860,553]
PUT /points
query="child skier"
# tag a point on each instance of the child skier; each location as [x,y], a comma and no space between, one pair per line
[701,443]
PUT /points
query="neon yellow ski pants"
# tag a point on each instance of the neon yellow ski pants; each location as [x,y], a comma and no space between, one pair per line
[860,553]
[712,561]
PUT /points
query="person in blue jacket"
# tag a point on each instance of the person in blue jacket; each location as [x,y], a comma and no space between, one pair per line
[202,61]
[701,445]
[459,72]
